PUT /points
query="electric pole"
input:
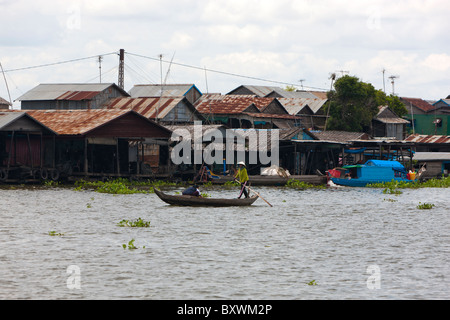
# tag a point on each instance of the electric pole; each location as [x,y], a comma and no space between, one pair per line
[121,68]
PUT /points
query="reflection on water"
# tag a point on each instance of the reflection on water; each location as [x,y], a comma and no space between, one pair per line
[337,237]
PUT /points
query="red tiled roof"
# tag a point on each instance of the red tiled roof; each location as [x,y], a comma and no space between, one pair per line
[419,103]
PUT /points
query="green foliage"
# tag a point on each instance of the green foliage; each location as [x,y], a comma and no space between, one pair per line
[51,183]
[290,88]
[312,283]
[54,233]
[296,184]
[392,190]
[122,186]
[443,182]
[352,105]
[425,205]
[130,245]
[139,223]
[393,102]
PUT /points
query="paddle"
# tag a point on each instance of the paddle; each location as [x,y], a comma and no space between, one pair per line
[256,193]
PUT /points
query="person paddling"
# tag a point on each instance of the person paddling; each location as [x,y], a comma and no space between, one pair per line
[243,178]
[192,191]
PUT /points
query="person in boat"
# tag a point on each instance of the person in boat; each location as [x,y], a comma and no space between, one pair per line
[192,191]
[242,177]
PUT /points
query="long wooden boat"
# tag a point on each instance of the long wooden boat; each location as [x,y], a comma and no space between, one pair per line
[181,200]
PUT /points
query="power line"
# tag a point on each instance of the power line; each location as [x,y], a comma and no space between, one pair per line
[57,63]
[218,71]
[159,59]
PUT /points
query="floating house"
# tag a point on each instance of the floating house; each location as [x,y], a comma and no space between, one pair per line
[244,111]
[21,146]
[387,124]
[188,91]
[167,110]
[436,164]
[105,143]
[70,96]
[4,105]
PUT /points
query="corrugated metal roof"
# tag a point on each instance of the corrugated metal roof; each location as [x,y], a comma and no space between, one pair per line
[75,122]
[72,91]
[295,105]
[8,117]
[154,90]
[430,156]
[420,138]
[148,107]
[77,95]
[3,101]
[230,104]
[339,136]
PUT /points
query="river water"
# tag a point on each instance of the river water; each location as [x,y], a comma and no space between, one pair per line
[352,243]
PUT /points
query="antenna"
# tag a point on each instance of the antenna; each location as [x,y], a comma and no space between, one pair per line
[161,91]
[6,82]
[343,71]
[100,58]
[301,82]
[392,82]
[168,69]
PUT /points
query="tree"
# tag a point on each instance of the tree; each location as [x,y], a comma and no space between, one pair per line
[352,105]
[393,102]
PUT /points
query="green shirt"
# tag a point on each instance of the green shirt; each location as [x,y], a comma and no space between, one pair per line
[242,175]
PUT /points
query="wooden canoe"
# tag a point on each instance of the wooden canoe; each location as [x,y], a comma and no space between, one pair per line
[181,200]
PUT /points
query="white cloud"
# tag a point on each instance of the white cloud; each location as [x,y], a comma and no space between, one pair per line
[284,41]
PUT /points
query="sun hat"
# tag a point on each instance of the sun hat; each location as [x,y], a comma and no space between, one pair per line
[241,162]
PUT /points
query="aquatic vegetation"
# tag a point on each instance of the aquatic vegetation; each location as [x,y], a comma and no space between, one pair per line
[296,184]
[130,245]
[54,233]
[139,223]
[425,205]
[205,195]
[232,183]
[52,183]
[312,283]
[443,182]
[390,200]
[391,190]
[121,186]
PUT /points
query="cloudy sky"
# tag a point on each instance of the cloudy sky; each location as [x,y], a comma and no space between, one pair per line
[221,44]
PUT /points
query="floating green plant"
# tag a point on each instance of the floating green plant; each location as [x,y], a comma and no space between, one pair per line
[443,182]
[130,245]
[139,223]
[54,233]
[297,184]
[393,191]
[121,186]
[312,283]
[425,205]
